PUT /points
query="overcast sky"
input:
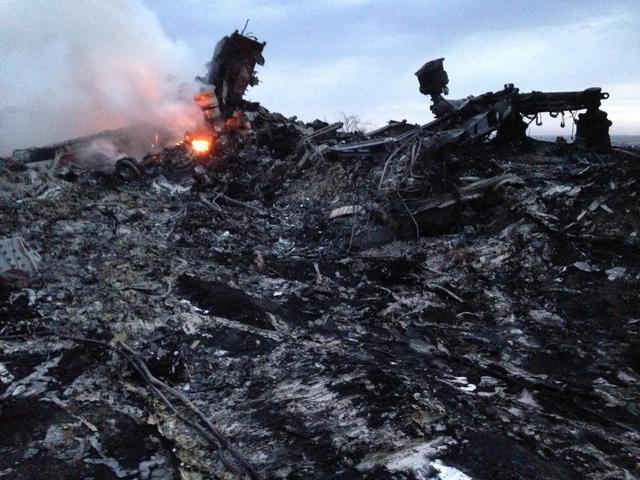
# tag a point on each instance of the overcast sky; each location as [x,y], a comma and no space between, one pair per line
[359,56]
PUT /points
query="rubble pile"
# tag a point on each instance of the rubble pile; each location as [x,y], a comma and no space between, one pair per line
[324,305]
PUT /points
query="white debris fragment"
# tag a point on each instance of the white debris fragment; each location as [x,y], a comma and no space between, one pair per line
[413,457]
[606,208]
[526,398]
[448,473]
[574,192]
[15,255]
[344,211]
[546,318]
[616,273]
[585,267]
[461,383]
[5,375]
[556,190]
[110,462]
[594,205]
[625,377]
[35,383]
[421,346]
[193,307]
[161,183]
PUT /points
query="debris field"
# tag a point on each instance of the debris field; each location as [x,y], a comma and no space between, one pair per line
[418,302]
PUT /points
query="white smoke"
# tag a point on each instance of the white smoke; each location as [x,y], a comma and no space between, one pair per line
[100,154]
[70,69]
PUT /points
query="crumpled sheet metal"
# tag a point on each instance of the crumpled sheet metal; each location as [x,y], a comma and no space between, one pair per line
[16,256]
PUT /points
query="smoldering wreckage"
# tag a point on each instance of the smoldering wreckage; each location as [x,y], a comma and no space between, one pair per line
[277,299]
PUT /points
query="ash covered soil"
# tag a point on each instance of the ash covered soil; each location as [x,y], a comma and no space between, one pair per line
[504,346]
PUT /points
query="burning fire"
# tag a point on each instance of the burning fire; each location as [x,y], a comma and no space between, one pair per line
[201,145]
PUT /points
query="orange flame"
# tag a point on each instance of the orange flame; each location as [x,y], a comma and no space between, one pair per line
[201,145]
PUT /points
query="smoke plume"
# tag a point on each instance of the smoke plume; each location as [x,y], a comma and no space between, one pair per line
[74,68]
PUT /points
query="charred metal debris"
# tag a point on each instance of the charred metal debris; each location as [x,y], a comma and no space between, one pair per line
[276,299]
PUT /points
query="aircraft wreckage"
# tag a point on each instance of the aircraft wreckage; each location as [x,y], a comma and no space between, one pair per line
[268,298]
[417,190]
